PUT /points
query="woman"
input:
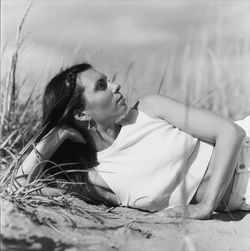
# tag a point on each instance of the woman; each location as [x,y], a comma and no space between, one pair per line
[140,157]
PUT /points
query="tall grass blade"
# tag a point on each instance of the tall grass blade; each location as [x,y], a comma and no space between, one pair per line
[9,93]
[163,78]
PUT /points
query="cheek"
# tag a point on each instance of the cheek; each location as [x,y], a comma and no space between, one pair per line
[102,103]
[106,102]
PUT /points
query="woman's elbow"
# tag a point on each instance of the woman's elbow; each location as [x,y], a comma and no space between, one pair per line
[236,132]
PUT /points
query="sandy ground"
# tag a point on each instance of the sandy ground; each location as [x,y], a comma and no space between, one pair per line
[56,228]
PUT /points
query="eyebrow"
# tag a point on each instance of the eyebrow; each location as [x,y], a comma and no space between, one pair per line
[103,77]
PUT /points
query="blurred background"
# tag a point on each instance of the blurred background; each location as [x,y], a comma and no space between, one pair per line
[194,50]
[197,51]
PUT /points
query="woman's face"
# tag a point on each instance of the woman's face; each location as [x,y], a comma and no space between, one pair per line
[104,102]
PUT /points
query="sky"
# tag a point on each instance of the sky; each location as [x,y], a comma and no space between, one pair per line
[110,34]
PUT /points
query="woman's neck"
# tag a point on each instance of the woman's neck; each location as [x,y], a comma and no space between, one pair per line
[104,134]
[105,137]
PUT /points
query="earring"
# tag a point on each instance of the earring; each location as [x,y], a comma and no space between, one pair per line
[92,125]
[89,124]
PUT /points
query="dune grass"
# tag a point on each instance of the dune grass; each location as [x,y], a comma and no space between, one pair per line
[205,74]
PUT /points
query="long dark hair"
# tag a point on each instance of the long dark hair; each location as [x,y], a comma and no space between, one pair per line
[61,97]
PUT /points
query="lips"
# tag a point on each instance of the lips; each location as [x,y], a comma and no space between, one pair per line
[120,98]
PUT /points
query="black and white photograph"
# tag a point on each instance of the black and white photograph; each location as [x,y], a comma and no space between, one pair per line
[125,125]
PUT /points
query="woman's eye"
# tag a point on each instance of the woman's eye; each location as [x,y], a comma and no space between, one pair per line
[102,85]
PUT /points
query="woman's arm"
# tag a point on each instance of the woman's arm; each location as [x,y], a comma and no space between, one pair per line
[207,126]
[34,163]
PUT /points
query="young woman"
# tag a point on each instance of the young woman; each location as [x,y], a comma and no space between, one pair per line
[159,155]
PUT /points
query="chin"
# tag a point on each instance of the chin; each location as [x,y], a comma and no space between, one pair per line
[123,114]
[124,108]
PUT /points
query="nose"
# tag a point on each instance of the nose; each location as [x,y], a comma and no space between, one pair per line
[115,87]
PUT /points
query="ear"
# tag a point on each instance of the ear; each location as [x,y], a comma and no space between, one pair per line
[81,115]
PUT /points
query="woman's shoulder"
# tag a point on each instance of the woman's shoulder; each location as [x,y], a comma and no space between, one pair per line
[143,106]
[146,104]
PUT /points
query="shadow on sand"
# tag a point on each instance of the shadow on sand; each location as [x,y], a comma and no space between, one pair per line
[235,216]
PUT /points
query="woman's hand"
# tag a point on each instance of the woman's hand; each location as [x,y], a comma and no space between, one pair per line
[72,134]
[34,163]
[199,211]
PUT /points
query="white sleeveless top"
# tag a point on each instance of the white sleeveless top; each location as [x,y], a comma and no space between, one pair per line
[146,164]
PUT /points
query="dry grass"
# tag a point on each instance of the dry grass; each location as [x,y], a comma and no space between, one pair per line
[214,77]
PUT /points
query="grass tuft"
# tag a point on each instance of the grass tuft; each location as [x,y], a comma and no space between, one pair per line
[205,75]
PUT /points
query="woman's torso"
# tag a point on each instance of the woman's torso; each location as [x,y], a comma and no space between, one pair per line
[177,149]
[105,191]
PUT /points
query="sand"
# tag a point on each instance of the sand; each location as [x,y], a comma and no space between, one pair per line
[55,228]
